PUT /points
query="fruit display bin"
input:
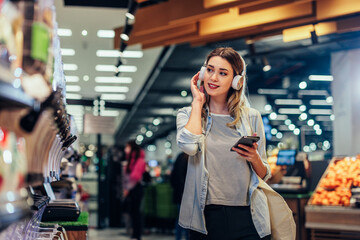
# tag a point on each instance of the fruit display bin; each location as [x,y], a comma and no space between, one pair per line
[331,212]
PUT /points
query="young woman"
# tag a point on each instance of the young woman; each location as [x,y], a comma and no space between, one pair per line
[221,199]
[133,190]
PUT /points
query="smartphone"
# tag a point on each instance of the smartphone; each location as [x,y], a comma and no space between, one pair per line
[246,140]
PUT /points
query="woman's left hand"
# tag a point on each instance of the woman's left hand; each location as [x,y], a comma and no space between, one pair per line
[251,154]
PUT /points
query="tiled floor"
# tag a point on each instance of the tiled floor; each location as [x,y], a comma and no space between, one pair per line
[119,234]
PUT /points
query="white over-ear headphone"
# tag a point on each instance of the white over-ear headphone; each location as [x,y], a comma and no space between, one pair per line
[236,79]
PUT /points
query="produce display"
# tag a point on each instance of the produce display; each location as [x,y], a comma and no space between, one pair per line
[338,182]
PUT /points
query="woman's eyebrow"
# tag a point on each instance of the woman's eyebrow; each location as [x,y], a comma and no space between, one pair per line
[223,69]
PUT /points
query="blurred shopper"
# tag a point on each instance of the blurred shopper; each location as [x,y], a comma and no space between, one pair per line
[133,189]
[221,199]
[177,180]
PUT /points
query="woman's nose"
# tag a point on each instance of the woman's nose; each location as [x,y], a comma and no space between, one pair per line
[213,77]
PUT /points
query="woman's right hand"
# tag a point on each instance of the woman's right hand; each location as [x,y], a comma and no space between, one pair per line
[198,94]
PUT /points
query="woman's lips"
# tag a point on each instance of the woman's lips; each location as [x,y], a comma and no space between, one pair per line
[212,86]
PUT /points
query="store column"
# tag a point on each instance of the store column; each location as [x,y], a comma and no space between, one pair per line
[345,68]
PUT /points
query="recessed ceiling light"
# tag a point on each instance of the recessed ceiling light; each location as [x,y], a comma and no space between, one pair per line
[310,122]
[86,78]
[272,91]
[84,33]
[279,135]
[73,88]
[124,37]
[149,133]
[273,116]
[156,121]
[302,108]
[110,113]
[113,68]
[67,52]
[267,107]
[184,93]
[116,53]
[106,33]
[303,117]
[73,96]
[288,101]
[287,122]
[289,111]
[111,89]
[296,131]
[113,79]
[70,67]
[71,79]
[316,127]
[292,127]
[321,78]
[113,96]
[274,131]
[302,85]
[64,32]
[320,111]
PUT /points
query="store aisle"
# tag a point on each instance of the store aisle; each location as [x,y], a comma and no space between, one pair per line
[119,234]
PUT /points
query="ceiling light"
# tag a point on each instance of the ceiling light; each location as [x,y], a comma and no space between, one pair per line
[67,52]
[279,135]
[113,96]
[84,33]
[140,138]
[310,122]
[313,92]
[130,16]
[184,93]
[322,118]
[116,53]
[312,146]
[151,148]
[320,102]
[287,122]
[303,116]
[289,111]
[321,78]
[124,37]
[302,85]
[121,89]
[306,148]
[113,68]
[320,111]
[302,108]
[113,79]
[167,144]
[272,91]
[326,143]
[70,67]
[288,102]
[156,121]
[267,107]
[296,131]
[149,134]
[71,79]
[318,132]
[316,127]
[73,88]
[89,153]
[143,130]
[266,65]
[329,99]
[64,32]
[86,78]
[73,96]
[274,131]
[332,117]
[273,116]
[292,127]
[110,113]
[105,33]
[281,117]
[168,151]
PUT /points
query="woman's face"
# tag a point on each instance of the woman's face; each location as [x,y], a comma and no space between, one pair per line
[218,76]
[127,149]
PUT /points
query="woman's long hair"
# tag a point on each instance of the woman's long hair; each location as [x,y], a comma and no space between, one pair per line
[133,155]
[236,99]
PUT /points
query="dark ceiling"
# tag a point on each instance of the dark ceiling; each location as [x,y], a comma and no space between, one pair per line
[160,96]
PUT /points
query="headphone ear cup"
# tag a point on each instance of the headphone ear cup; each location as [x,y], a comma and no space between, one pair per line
[202,73]
[235,82]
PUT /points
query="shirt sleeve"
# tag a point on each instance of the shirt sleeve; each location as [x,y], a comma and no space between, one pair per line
[187,141]
[259,130]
